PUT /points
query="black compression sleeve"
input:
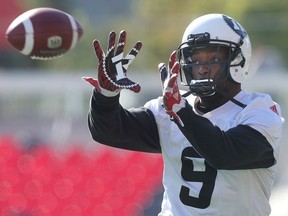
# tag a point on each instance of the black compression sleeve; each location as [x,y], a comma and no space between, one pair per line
[111,124]
[241,147]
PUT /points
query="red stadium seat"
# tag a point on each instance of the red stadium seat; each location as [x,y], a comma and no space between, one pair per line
[102,182]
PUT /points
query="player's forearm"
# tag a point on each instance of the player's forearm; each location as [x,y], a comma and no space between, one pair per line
[133,129]
[238,148]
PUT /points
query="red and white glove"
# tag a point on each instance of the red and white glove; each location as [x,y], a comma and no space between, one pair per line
[172,99]
[112,67]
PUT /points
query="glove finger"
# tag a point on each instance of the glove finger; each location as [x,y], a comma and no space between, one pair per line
[98,50]
[129,58]
[111,44]
[163,73]
[175,68]
[121,43]
[172,59]
[172,81]
[134,51]
[109,68]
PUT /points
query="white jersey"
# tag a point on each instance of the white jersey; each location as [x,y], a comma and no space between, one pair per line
[243,192]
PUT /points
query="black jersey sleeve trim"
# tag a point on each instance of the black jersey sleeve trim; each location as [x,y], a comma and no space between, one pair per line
[133,129]
[241,147]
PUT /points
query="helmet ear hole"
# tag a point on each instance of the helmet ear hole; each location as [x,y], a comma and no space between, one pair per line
[236,75]
[239,68]
[232,74]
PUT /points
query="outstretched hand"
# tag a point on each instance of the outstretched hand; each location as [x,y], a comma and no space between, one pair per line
[172,99]
[112,67]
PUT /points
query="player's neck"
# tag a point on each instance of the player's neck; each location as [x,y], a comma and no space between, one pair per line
[206,104]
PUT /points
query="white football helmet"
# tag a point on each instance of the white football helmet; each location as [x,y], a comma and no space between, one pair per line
[222,30]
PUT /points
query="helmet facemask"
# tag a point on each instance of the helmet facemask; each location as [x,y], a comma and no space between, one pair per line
[190,66]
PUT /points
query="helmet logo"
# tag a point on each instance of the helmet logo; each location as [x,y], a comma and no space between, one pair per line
[235,26]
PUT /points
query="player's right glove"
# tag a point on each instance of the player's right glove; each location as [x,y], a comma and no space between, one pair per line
[112,67]
[172,99]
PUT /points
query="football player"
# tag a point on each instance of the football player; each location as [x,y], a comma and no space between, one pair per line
[219,142]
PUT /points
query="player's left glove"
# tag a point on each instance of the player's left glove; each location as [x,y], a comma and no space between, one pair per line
[172,99]
[112,68]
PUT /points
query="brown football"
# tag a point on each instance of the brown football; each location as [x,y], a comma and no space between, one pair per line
[44,33]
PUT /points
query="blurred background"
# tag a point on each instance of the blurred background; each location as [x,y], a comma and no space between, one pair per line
[49,164]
